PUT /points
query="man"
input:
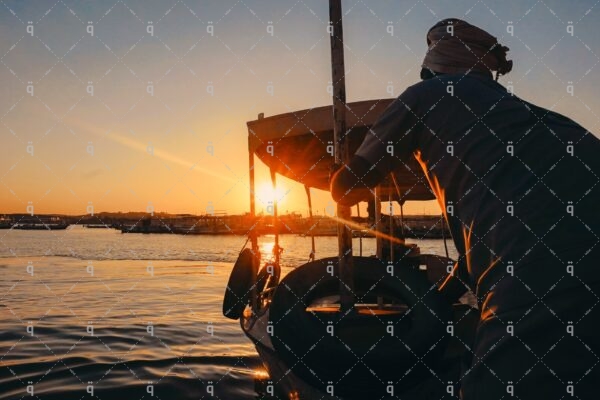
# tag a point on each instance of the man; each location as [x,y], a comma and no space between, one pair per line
[524,186]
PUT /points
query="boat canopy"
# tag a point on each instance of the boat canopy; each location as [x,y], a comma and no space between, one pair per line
[299,146]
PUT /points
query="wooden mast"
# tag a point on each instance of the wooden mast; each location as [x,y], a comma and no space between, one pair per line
[342,155]
[252,234]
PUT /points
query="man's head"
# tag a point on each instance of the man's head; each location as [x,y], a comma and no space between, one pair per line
[455,47]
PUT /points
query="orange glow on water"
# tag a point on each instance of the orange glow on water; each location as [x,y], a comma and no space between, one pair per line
[266,245]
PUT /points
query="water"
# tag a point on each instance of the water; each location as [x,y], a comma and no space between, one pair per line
[141,322]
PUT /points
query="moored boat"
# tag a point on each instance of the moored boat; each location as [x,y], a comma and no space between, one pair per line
[299,328]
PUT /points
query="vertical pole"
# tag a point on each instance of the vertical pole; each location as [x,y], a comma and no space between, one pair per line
[252,233]
[342,155]
[391,226]
[378,239]
[378,224]
[276,248]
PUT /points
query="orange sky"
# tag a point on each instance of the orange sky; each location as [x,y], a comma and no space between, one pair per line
[179,89]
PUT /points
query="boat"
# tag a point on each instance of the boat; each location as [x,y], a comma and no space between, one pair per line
[97,226]
[39,223]
[41,226]
[263,302]
[349,326]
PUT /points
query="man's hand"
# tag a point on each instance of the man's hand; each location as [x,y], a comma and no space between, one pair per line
[453,288]
[351,184]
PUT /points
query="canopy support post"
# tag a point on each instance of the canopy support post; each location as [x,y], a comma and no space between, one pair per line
[342,155]
[252,234]
[276,248]
[391,226]
[378,224]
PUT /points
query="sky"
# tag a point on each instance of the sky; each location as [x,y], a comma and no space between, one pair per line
[136,103]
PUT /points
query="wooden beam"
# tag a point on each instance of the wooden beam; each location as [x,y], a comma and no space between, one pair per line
[252,234]
[342,155]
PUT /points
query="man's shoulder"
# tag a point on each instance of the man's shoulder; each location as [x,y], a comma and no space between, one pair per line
[428,85]
[431,90]
[426,90]
[440,82]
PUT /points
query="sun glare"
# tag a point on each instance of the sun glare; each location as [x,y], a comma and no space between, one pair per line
[266,193]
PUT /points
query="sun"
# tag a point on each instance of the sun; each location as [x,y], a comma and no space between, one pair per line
[265,193]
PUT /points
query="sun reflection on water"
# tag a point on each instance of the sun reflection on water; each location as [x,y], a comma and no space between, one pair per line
[267,243]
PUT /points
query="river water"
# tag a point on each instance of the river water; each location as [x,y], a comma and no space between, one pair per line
[123,316]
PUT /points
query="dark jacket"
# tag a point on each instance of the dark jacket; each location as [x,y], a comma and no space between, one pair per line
[519,185]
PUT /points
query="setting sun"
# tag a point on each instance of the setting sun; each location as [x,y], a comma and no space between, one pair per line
[265,193]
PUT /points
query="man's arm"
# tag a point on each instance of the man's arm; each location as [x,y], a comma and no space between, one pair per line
[396,127]
[456,284]
[351,184]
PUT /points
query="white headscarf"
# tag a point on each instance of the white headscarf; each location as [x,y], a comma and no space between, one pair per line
[455,46]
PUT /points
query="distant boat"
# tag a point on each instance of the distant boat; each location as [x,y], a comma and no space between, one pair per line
[41,227]
[97,226]
[146,229]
